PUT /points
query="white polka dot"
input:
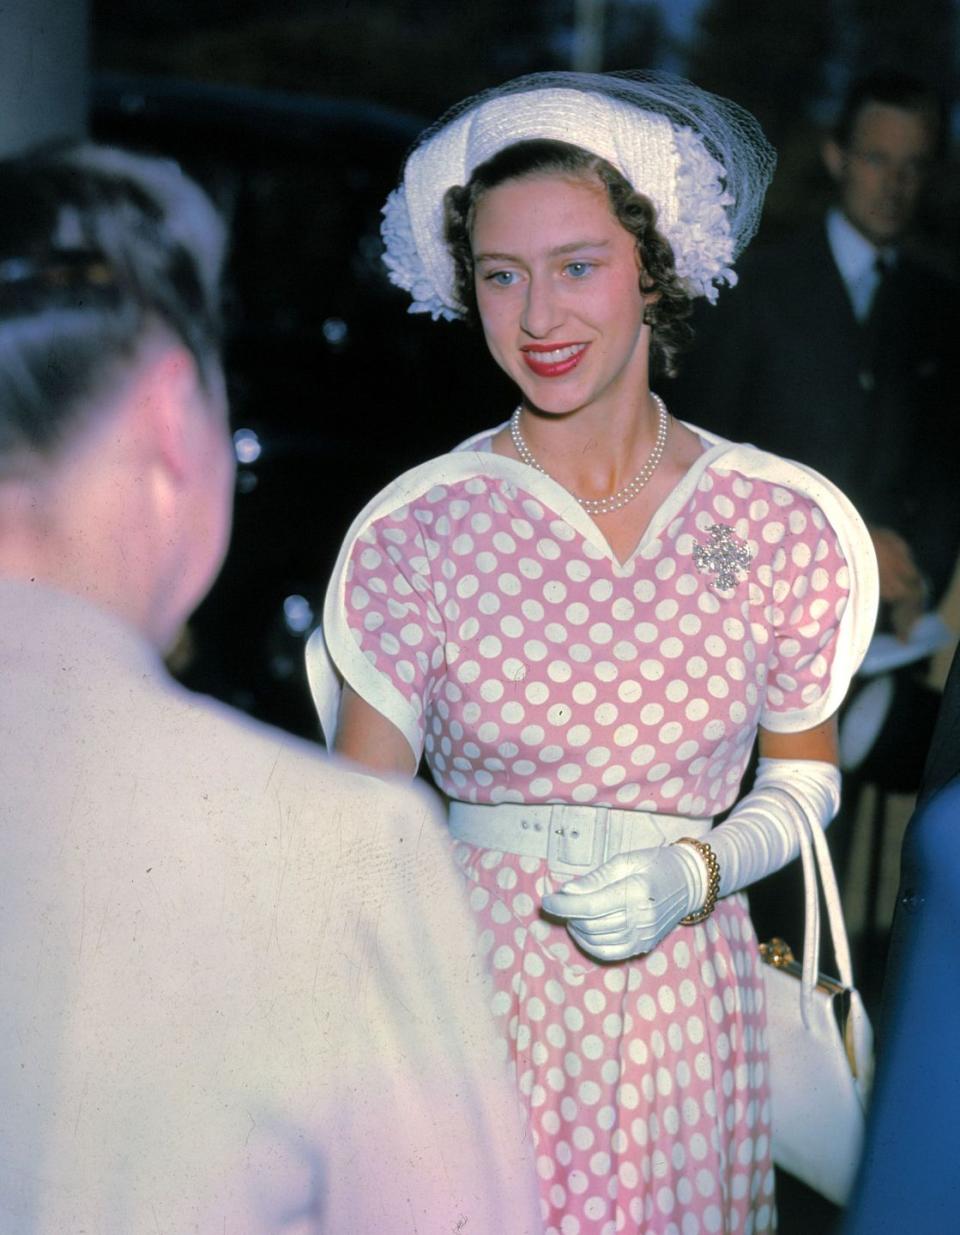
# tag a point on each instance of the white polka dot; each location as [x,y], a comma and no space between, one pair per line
[577,613]
[559,671]
[677,690]
[590,1094]
[600,633]
[489,647]
[718,687]
[592,1046]
[491,691]
[535,693]
[629,691]
[503,958]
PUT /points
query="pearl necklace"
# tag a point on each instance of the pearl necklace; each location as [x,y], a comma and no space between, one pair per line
[613,501]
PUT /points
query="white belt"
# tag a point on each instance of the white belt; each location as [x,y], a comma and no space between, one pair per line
[573,839]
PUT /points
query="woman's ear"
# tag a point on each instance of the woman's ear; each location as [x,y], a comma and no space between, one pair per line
[648,288]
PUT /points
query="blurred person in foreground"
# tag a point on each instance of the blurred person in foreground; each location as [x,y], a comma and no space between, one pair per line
[237,987]
[908,1178]
[838,347]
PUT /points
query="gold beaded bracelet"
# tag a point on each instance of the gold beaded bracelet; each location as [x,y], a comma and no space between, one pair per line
[713,880]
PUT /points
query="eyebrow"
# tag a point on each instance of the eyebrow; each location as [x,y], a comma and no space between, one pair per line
[575,246]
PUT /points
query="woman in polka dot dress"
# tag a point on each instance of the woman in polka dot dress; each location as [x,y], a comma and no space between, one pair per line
[583,618]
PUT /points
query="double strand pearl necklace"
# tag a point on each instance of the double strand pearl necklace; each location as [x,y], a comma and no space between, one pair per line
[613,501]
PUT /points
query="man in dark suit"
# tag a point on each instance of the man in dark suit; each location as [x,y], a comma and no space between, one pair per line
[838,348]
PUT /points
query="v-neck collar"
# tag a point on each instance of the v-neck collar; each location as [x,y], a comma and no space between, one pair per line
[561,500]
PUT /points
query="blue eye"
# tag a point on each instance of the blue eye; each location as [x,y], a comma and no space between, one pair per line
[502,278]
[578,270]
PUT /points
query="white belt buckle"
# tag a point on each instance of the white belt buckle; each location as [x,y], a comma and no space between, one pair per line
[578,836]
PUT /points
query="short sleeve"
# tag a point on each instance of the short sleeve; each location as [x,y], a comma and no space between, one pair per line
[810,592]
[382,626]
[821,590]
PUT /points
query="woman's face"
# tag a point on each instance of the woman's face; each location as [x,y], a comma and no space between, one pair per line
[558,290]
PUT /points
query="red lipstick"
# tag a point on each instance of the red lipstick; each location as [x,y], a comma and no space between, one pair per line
[553,359]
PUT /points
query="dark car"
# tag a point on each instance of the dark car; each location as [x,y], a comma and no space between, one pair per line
[335,388]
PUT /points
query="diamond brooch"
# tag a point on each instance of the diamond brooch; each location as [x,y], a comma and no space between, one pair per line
[725,556]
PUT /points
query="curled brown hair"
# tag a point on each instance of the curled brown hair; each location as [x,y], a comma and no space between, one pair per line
[667,316]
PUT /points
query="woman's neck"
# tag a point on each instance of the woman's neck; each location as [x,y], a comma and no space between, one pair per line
[596,449]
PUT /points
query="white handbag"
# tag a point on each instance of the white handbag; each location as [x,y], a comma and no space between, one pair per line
[820,1041]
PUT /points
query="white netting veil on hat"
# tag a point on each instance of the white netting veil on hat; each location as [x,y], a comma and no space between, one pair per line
[701,159]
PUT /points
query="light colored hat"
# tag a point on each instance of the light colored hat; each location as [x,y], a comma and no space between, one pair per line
[702,160]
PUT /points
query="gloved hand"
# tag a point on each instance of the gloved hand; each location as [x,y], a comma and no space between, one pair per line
[628,904]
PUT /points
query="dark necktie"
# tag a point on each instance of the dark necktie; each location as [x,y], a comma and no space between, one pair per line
[882,265]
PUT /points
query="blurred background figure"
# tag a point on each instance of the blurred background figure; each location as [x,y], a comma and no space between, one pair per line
[839,346]
[235,991]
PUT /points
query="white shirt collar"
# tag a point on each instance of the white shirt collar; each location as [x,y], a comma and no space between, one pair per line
[856,259]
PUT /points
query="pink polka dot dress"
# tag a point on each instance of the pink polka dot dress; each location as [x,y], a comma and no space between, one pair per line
[478,608]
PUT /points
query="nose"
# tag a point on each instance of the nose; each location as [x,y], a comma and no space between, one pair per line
[542,310]
[901,177]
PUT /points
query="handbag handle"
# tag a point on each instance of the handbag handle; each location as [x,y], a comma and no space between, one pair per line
[815,856]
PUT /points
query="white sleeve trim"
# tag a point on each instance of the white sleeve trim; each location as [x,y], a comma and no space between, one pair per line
[860,615]
[333,655]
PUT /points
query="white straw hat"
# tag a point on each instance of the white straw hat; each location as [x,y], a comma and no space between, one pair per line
[702,160]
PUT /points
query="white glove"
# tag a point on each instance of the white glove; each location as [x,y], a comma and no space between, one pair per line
[627,905]
[763,832]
